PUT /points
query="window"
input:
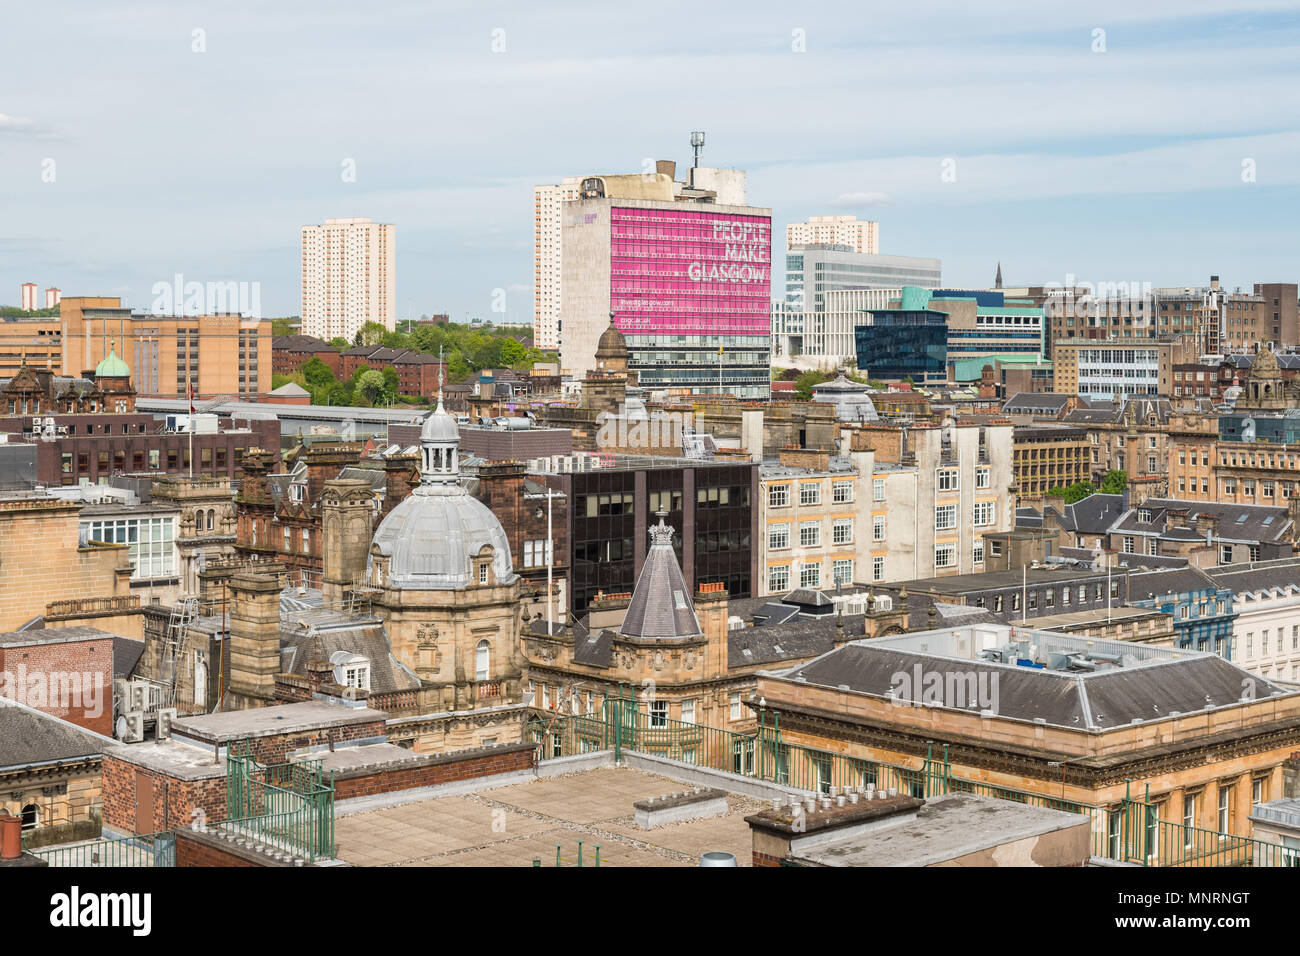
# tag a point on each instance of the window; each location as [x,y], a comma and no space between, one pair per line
[735,707]
[778,496]
[1254,552]
[482,660]
[983,478]
[31,817]
[983,514]
[537,553]
[357,675]
[842,531]
[1258,791]
[1225,554]
[877,527]
[945,517]
[810,576]
[977,552]
[842,570]
[483,573]
[878,489]
[778,578]
[945,555]
[841,492]
[946,479]
[688,711]
[1128,544]
[810,492]
[658,713]
[877,568]
[1225,807]
[778,536]
[1189,819]
[810,534]
[743,756]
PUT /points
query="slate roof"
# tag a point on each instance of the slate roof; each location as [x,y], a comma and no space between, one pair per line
[1036,403]
[127,652]
[1095,514]
[1234,522]
[1150,686]
[1159,583]
[28,736]
[367,639]
[661,605]
[1262,576]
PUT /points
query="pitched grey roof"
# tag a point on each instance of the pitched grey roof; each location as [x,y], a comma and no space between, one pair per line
[1096,701]
[1095,514]
[1233,522]
[1260,576]
[367,639]
[127,652]
[1036,403]
[28,736]
[1158,583]
[661,603]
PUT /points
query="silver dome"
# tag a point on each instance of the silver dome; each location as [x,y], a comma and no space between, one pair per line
[431,537]
[440,427]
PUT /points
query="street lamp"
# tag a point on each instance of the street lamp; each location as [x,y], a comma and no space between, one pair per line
[550,562]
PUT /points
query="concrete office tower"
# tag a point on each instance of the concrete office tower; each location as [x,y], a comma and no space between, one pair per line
[52,297]
[860,235]
[547,258]
[815,269]
[686,277]
[348,277]
[28,297]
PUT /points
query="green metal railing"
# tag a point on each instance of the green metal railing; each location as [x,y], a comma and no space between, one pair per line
[1130,832]
[154,849]
[286,806]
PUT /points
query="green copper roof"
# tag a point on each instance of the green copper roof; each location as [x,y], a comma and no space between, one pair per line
[914,299]
[112,367]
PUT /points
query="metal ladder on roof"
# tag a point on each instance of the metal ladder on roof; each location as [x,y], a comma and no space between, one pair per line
[173,647]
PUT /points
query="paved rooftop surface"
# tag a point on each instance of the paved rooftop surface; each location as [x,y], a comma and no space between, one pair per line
[512,826]
[265,721]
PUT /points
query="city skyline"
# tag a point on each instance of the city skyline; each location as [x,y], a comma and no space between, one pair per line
[1112,172]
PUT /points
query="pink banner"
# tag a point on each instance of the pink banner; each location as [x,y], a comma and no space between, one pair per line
[690,271]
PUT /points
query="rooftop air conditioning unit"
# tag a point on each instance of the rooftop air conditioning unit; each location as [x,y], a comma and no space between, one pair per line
[163,727]
[130,727]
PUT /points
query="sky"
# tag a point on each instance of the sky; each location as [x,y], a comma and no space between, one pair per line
[1111,141]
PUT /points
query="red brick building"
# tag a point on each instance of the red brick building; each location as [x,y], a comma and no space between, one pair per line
[66,672]
[288,352]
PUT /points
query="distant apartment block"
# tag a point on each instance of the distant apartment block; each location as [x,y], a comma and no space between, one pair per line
[547,259]
[28,296]
[215,355]
[348,277]
[860,235]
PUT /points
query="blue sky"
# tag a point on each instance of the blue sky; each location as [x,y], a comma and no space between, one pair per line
[1122,165]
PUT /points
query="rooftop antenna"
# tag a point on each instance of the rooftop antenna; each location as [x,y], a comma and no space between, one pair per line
[697,144]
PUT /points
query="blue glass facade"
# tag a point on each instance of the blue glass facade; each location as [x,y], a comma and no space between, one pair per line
[1203,618]
[904,344]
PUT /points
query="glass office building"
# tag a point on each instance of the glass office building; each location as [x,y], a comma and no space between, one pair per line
[902,344]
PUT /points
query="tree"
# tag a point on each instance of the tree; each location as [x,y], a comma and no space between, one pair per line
[316,372]
[371,333]
[392,384]
[1115,482]
[370,385]
[512,352]
[1075,492]
[282,327]
[803,385]
[340,343]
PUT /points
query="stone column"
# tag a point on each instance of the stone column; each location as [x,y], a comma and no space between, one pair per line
[346,533]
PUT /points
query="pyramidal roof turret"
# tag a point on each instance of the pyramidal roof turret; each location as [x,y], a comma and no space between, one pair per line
[661,604]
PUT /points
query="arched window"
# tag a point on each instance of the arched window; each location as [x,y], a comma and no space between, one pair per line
[212,518]
[482,660]
[31,816]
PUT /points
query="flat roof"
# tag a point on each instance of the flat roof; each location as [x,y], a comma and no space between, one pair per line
[53,635]
[267,721]
[516,824]
[945,828]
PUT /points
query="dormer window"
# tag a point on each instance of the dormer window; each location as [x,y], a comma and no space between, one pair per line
[483,573]
[1144,516]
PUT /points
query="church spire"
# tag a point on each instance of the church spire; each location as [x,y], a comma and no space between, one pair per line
[997,281]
